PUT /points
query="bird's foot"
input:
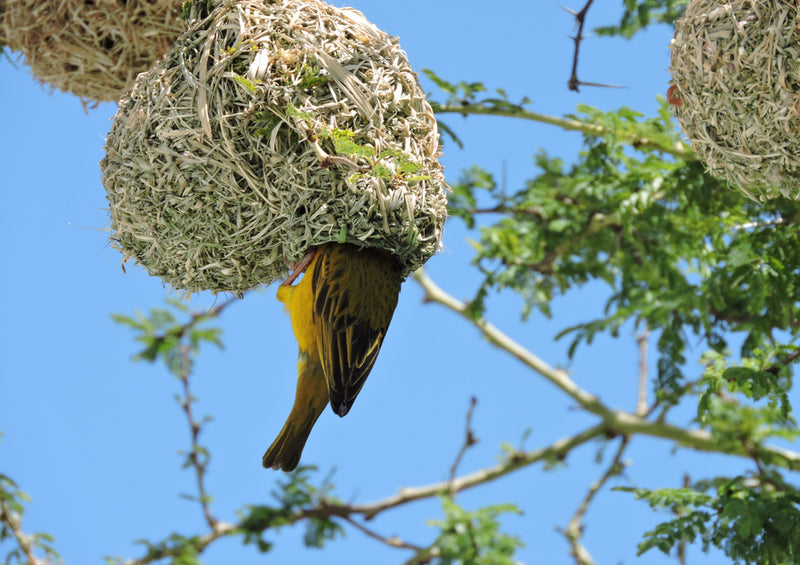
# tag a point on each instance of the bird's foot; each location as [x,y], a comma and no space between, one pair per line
[300,266]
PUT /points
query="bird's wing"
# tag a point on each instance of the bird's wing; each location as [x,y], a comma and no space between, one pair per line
[355,294]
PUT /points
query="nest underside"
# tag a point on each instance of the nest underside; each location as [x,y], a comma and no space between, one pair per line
[91,49]
[267,129]
[735,66]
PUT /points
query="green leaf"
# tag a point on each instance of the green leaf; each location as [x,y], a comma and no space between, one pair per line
[474,537]
[246,83]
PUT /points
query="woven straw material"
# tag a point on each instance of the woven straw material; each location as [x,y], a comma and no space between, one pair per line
[737,79]
[91,48]
[3,32]
[270,127]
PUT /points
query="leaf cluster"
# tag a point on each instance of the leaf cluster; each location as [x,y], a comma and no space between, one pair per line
[639,14]
[473,537]
[753,519]
[296,497]
[180,550]
[677,250]
[12,510]
[165,336]
[763,376]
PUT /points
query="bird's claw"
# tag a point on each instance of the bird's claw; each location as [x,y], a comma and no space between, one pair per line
[299,267]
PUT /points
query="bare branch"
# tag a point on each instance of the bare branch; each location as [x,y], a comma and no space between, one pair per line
[641,402]
[580,20]
[469,441]
[518,460]
[558,377]
[198,456]
[574,529]
[679,149]
[680,552]
[393,541]
[614,421]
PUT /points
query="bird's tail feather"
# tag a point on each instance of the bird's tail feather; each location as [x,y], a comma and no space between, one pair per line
[310,401]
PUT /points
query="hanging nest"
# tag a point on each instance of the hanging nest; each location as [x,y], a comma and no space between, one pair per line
[270,127]
[91,48]
[736,91]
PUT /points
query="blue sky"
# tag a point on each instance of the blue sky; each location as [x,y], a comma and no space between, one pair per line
[93,437]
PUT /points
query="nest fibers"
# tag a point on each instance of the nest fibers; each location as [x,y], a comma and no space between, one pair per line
[2,24]
[92,48]
[269,127]
[736,78]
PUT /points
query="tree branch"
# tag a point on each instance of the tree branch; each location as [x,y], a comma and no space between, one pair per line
[393,541]
[23,540]
[580,19]
[574,529]
[677,150]
[198,456]
[641,401]
[517,460]
[469,441]
[558,377]
[614,421]
[199,543]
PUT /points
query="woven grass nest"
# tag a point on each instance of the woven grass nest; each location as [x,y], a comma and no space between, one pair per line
[736,91]
[270,127]
[91,48]
[3,31]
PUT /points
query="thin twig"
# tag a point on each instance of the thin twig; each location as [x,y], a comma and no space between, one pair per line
[679,149]
[574,529]
[641,403]
[199,462]
[681,549]
[23,540]
[393,541]
[791,358]
[198,456]
[518,460]
[469,441]
[199,543]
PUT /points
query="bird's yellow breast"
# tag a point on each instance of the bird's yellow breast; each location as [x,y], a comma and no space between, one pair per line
[298,302]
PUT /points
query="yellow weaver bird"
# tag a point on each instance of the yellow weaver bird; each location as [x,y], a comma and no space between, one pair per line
[340,311]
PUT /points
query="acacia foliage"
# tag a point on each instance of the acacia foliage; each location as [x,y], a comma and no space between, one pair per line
[680,253]
[690,259]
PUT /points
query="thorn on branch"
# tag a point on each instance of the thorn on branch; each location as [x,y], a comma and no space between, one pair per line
[574,83]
